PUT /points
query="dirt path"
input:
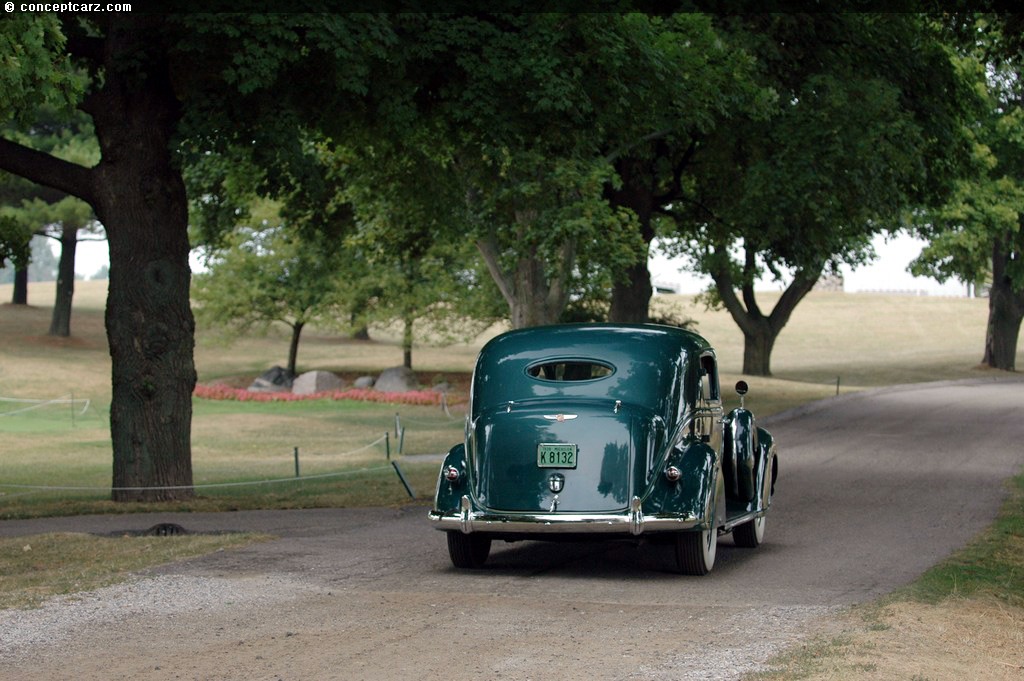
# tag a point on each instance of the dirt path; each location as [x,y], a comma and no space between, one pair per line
[874,488]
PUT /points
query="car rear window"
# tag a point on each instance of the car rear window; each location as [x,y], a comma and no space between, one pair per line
[570,370]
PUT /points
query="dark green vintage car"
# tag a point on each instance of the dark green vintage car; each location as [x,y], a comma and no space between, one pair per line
[604,431]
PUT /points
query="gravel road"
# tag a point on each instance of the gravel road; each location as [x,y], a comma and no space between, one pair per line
[874,488]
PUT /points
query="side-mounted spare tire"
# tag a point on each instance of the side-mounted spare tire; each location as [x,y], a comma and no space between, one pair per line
[739,465]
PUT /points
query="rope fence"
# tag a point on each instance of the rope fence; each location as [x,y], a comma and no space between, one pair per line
[385,439]
[212,485]
[39,404]
[29,489]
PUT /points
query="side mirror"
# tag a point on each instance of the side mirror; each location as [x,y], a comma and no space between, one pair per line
[741,390]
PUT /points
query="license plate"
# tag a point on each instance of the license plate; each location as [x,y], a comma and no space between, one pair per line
[551,455]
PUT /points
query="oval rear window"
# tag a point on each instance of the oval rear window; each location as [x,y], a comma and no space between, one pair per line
[570,370]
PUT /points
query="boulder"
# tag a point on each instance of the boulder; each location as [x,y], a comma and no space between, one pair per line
[316,382]
[397,380]
[364,382]
[274,380]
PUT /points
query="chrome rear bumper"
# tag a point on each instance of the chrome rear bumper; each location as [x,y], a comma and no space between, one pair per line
[632,522]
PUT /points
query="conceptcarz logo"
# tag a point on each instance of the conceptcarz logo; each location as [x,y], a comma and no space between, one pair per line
[80,7]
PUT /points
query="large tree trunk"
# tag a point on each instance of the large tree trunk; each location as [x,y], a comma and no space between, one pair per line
[760,331]
[138,193]
[1005,312]
[632,290]
[140,199]
[631,296]
[758,342]
[20,293]
[533,298]
[60,322]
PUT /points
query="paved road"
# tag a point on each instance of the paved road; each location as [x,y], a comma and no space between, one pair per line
[874,488]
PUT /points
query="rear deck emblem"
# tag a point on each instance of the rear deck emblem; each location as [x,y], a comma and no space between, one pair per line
[556,482]
[561,417]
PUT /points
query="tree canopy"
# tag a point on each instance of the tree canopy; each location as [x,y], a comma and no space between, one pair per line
[978,233]
[868,122]
[36,210]
[158,87]
[533,119]
[267,273]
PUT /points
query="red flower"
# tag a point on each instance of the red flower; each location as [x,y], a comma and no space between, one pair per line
[219,391]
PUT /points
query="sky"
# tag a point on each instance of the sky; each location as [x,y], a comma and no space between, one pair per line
[887,273]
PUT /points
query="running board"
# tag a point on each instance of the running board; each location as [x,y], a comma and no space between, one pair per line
[738,520]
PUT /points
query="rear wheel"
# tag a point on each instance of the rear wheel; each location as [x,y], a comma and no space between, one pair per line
[695,551]
[468,550]
[750,534]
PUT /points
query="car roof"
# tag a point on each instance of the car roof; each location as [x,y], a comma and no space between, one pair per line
[647,361]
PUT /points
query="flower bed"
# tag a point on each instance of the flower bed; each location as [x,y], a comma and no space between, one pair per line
[223,392]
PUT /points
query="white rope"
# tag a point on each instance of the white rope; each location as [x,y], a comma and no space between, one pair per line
[38,404]
[202,486]
[349,453]
[435,424]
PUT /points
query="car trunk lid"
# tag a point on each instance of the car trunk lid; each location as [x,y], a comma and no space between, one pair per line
[565,457]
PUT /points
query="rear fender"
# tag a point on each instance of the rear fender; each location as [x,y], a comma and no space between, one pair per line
[697,493]
[447,494]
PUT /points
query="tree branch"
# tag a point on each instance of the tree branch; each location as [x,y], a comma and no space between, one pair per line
[558,293]
[489,250]
[47,170]
[803,283]
[719,271]
[622,151]
[676,189]
[749,270]
[86,47]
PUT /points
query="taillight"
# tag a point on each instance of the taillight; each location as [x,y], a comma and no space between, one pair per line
[451,474]
[672,474]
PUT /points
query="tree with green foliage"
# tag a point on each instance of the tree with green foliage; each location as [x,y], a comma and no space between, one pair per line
[867,123]
[266,273]
[16,249]
[158,87]
[418,269]
[61,221]
[685,80]
[48,212]
[16,235]
[558,133]
[978,233]
[504,123]
[535,234]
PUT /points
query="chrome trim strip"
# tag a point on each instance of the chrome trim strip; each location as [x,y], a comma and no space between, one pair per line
[633,522]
